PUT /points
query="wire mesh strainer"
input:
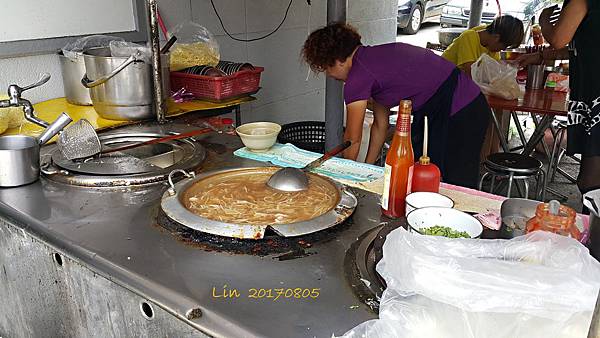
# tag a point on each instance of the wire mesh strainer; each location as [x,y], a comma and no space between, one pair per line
[79,140]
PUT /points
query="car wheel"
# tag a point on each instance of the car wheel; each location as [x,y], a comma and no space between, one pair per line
[416,17]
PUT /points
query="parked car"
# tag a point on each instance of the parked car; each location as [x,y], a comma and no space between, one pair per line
[412,13]
[456,12]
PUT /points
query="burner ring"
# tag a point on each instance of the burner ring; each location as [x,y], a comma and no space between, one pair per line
[159,161]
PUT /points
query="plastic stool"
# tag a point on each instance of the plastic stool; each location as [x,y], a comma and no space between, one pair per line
[514,166]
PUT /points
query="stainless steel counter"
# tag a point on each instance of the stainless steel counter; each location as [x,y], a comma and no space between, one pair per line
[113,232]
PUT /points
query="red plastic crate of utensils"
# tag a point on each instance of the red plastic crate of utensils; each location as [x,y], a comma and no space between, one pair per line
[218,88]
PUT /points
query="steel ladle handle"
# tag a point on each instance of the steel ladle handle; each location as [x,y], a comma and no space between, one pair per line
[338,149]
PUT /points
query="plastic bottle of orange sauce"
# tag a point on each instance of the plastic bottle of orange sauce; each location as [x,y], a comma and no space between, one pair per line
[398,166]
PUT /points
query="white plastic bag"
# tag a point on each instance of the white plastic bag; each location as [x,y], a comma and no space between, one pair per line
[73,49]
[538,285]
[126,49]
[495,78]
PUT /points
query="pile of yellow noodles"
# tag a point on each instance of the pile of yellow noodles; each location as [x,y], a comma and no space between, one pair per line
[246,199]
[184,55]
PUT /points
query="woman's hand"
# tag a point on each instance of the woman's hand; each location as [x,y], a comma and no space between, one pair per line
[528,59]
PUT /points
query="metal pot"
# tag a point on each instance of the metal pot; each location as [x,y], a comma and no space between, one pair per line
[20,155]
[120,87]
[447,35]
[72,72]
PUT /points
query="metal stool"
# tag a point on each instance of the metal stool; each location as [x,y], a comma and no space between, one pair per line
[514,167]
[558,152]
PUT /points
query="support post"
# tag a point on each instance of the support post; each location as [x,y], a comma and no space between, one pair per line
[334,99]
[159,103]
[475,13]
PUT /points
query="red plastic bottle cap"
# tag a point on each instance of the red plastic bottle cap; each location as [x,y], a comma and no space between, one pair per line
[227,120]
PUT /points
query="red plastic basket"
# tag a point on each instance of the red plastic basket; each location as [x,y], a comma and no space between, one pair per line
[218,88]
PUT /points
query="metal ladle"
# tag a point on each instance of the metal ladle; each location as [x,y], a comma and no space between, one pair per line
[294,179]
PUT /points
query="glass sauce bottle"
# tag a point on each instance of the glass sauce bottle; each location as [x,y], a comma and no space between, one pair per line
[399,164]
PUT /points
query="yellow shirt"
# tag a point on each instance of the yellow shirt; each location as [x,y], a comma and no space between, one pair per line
[467,47]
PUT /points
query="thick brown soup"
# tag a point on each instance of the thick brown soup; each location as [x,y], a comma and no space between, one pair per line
[242,197]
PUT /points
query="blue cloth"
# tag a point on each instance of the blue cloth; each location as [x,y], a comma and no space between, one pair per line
[288,155]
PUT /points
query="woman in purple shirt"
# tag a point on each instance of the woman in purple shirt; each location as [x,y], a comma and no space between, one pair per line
[457,111]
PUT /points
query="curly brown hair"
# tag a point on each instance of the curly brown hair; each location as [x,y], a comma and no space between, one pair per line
[326,45]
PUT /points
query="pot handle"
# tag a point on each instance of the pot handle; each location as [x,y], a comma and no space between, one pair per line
[348,200]
[87,83]
[171,190]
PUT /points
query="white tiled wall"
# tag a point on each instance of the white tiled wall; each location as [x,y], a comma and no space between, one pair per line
[286,95]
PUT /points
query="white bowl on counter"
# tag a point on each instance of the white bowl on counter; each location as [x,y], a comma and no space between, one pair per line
[422,199]
[457,220]
[258,136]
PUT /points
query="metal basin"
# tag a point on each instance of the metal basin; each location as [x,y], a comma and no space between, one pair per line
[173,207]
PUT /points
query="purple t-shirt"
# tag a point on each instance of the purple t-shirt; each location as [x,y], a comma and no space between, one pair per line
[398,71]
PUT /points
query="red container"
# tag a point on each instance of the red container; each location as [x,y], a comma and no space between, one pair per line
[218,88]
[426,176]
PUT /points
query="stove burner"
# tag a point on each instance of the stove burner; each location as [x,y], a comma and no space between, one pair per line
[361,260]
[287,247]
[143,165]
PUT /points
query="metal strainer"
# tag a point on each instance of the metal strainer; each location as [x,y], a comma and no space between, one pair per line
[79,140]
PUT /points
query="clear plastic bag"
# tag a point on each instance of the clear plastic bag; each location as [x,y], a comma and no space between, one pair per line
[495,78]
[195,46]
[538,285]
[73,49]
[126,49]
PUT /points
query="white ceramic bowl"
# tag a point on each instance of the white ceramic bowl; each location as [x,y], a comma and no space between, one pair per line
[258,136]
[422,199]
[446,217]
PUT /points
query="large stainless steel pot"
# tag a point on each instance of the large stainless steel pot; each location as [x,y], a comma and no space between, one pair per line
[120,87]
[447,35]
[72,72]
[20,155]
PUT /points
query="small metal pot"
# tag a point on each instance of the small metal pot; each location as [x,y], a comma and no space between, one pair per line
[20,155]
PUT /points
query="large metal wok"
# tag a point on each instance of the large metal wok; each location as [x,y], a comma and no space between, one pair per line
[174,208]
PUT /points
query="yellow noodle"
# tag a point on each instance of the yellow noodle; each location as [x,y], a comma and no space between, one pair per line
[245,199]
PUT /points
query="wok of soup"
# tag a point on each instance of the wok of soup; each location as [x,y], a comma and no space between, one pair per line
[242,197]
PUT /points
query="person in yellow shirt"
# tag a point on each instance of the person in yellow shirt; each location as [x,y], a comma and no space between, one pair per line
[504,32]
